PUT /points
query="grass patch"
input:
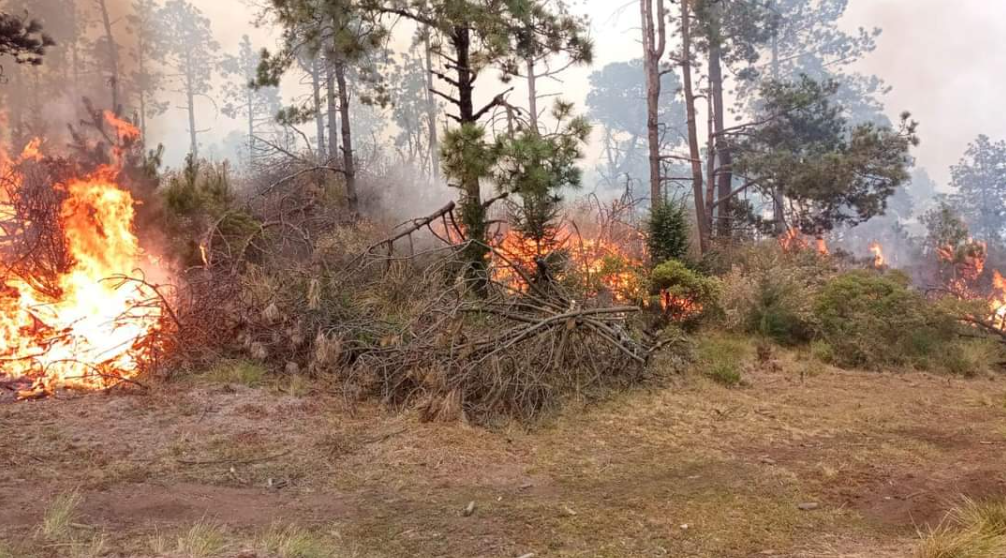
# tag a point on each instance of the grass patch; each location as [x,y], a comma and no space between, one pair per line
[972,529]
[236,371]
[57,521]
[294,542]
[721,358]
[200,541]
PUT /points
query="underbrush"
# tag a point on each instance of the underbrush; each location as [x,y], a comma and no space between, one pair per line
[722,358]
[852,318]
[405,318]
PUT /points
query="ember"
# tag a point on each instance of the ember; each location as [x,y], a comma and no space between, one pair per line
[86,321]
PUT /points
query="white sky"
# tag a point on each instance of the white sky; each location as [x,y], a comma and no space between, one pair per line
[942,59]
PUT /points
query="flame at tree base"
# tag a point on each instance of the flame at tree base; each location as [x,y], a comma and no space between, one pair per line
[96,323]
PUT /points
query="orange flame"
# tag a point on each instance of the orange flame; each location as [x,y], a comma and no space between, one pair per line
[878,255]
[605,264]
[88,334]
[822,246]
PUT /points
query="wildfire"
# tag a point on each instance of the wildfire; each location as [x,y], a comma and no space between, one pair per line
[878,255]
[90,328]
[792,241]
[997,302]
[606,265]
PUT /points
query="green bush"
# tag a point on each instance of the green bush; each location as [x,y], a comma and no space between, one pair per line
[686,294]
[873,320]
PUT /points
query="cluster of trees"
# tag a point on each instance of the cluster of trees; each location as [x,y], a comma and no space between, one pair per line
[786,135]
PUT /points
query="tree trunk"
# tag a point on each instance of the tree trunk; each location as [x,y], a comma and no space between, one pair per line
[473,213]
[693,135]
[431,108]
[348,165]
[333,132]
[113,56]
[778,209]
[532,94]
[654,40]
[723,158]
[251,126]
[319,119]
[190,96]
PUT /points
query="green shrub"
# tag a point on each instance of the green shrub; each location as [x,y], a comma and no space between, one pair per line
[971,357]
[686,294]
[668,232]
[875,320]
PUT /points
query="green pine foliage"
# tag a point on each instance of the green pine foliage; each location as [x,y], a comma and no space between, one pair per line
[668,233]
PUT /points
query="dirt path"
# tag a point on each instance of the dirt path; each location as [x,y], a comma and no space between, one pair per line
[690,470]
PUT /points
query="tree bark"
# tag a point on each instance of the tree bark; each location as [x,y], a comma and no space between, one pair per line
[333,132]
[532,94]
[693,136]
[654,42]
[319,119]
[113,56]
[348,164]
[190,97]
[723,158]
[431,108]
[778,209]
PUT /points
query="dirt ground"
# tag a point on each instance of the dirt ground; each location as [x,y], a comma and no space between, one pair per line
[823,463]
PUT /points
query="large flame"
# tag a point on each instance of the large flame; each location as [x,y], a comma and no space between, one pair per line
[89,331]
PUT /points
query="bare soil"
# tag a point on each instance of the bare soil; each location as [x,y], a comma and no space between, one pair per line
[690,469]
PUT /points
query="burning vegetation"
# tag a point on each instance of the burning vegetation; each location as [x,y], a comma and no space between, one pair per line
[76,307]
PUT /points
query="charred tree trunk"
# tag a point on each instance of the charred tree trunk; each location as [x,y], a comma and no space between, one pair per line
[693,135]
[348,164]
[654,42]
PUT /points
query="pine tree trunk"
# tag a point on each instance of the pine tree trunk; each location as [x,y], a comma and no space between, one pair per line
[778,209]
[723,158]
[693,135]
[654,38]
[113,56]
[190,96]
[473,213]
[532,94]
[333,131]
[348,165]
[251,125]
[319,120]
[431,108]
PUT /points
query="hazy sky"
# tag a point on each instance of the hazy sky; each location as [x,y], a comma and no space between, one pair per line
[941,58]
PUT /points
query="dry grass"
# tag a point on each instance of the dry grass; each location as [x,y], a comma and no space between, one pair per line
[202,540]
[291,541]
[59,516]
[972,529]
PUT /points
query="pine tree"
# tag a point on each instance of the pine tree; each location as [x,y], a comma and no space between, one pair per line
[191,52]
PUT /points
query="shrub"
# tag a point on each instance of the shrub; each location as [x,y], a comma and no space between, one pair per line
[873,320]
[972,529]
[771,294]
[686,294]
[668,232]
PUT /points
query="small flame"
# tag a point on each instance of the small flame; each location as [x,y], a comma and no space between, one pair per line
[878,255]
[822,246]
[204,254]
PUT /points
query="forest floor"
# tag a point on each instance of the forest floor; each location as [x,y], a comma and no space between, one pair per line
[820,463]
